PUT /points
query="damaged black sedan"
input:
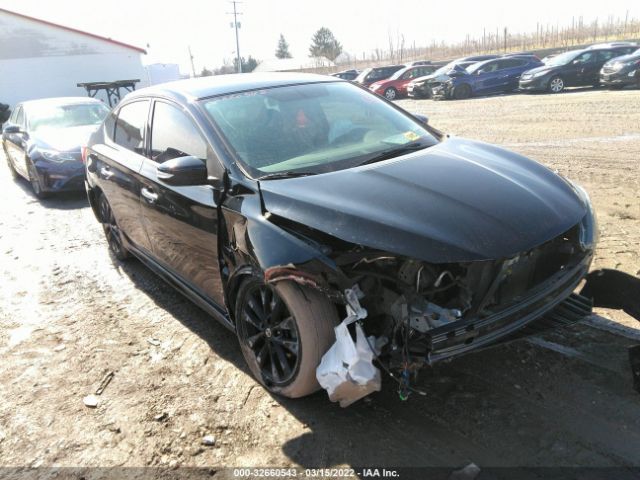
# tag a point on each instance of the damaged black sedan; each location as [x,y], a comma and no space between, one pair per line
[284,203]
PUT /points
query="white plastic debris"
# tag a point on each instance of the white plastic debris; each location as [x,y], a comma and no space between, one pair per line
[209,440]
[91,401]
[346,371]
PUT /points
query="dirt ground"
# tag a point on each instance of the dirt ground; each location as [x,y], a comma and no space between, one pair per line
[69,314]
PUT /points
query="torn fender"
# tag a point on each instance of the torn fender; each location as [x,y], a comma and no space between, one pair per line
[275,252]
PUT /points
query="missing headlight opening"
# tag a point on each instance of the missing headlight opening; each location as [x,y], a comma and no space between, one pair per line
[415,313]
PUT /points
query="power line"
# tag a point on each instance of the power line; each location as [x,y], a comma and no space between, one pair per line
[235,24]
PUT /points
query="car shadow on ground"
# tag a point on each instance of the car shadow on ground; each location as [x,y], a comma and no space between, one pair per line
[510,405]
[58,201]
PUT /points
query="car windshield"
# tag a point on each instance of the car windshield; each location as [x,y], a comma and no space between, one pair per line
[66,116]
[562,59]
[363,74]
[312,128]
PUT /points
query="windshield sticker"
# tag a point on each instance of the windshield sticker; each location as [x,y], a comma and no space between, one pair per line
[411,136]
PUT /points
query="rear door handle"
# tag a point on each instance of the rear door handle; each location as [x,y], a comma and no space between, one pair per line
[149,195]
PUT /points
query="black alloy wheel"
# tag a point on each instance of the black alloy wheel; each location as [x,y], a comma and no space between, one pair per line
[269,331]
[111,229]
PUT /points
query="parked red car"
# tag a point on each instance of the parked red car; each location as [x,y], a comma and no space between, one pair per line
[396,85]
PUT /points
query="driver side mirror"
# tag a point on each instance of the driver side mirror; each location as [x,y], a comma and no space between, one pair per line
[183,171]
[421,118]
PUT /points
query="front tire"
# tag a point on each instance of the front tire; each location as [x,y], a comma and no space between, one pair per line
[462,91]
[111,229]
[34,180]
[556,85]
[12,169]
[390,93]
[284,330]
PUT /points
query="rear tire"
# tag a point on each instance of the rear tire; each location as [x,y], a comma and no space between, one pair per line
[556,85]
[462,91]
[111,229]
[284,330]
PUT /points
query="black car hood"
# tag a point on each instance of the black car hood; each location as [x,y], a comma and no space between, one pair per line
[457,201]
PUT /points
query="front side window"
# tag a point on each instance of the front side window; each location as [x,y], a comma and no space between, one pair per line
[129,131]
[313,128]
[173,135]
[20,117]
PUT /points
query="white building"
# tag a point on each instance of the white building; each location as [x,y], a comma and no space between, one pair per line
[40,59]
[163,72]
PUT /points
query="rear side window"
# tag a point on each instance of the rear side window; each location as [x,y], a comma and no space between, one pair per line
[174,134]
[129,131]
[511,63]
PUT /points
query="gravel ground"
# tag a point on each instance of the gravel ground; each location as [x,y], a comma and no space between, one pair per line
[70,313]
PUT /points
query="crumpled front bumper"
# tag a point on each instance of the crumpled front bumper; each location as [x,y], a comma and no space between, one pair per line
[472,334]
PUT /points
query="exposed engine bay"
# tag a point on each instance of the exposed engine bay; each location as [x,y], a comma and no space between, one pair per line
[416,313]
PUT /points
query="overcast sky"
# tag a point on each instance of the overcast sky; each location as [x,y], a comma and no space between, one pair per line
[169,27]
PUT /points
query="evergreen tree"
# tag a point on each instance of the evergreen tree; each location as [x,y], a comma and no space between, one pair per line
[283,48]
[324,44]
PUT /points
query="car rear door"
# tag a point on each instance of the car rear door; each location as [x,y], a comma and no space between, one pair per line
[118,160]
[587,68]
[511,69]
[182,221]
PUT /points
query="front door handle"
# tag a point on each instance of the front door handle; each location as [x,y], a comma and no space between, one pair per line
[106,172]
[149,195]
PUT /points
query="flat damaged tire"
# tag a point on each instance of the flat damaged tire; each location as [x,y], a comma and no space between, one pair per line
[284,330]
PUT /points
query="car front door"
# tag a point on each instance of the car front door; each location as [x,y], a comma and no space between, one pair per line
[117,165]
[16,143]
[182,222]
[487,79]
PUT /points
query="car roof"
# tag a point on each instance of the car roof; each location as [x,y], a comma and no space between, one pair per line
[611,45]
[204,87]
[58,101]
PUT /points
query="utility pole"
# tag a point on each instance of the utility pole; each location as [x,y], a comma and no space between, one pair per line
[236,25]
[193,68]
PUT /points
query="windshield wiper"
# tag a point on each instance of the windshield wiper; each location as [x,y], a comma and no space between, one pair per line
[287,174]
[394,152]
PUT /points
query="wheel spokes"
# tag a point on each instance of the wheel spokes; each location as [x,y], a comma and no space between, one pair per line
[291,345]
[281,358]
[270,332]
